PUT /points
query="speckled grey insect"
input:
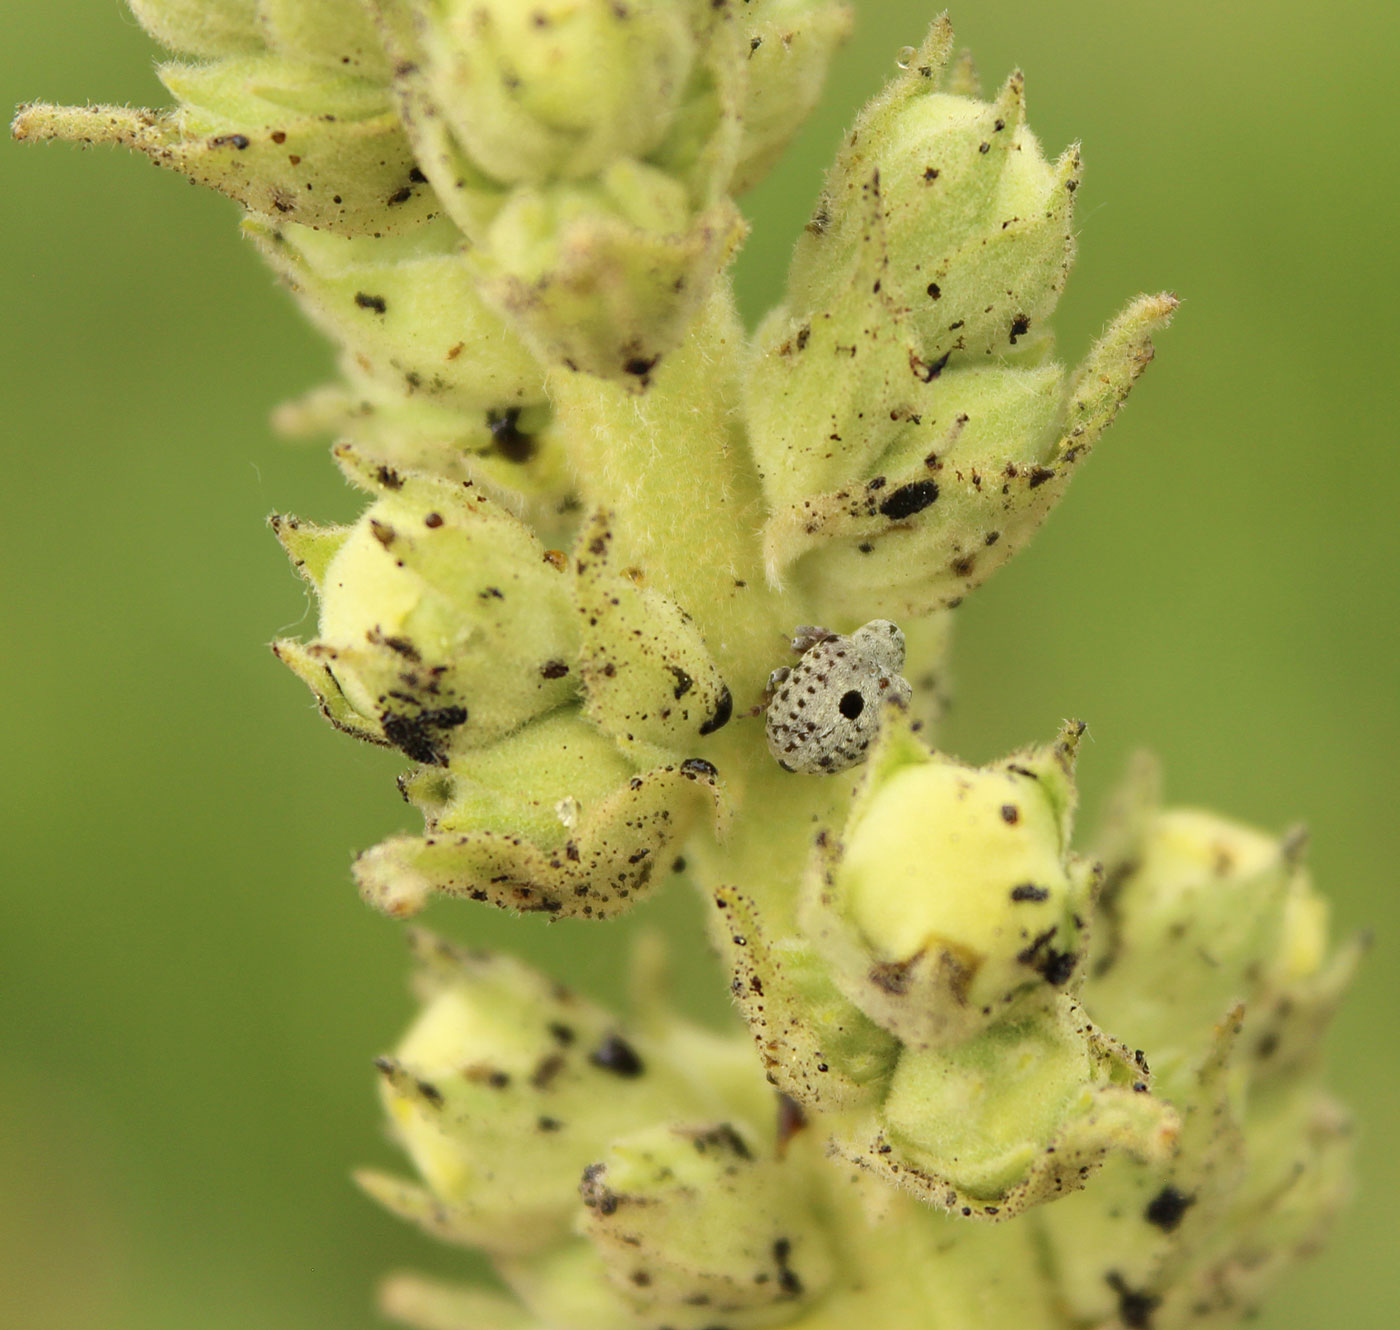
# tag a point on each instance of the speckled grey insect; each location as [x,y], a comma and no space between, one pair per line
[824,712]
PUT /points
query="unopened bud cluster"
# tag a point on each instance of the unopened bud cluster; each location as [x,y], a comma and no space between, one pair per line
[640,598]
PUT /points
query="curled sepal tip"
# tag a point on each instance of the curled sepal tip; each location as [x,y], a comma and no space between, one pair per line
[600,863]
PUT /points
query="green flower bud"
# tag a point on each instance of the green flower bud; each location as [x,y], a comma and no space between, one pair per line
[412,652]
[406,310]
[287,140]
[1200,913]
[946,435]
[505,1088]
[648,679]
[790,46]
[555,87]
[196,27]
[604,277]
[963,488]
[950,901]
[1211,951]
[693,1226]
[586,838]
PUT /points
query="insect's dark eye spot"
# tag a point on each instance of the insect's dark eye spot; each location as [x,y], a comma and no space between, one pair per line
[851,704]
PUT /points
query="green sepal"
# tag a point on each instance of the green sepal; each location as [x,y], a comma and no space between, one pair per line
[288,141]
[335,34]
[603,859]
[315,665]
[406,309]
[815,1045]
[648,679]
[694,1222]
[964,485]
[310,547]
[1137,1227]
[790,47]
[1017,1116]
[515,454]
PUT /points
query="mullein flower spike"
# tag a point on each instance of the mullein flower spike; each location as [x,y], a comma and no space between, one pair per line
[598,516]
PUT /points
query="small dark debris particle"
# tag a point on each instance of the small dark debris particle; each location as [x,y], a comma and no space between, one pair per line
[930,174]
[417,176]
[617,1056]
[909,499]
[992,537]
[1167,1207]
[1028,891]
[697,766]
[935,292]
[561,1033]
[1010,814]
[389,478]
[787,1276]
[1020,326]
[366,301]
[640,366]
[554,669]
[984,147]
[549,1067]
[1040,475]
[510,441]
[1135,1308]
[433,520]
[431,1093]
[548,1124]
[400,196]
[724,708]
[684,683]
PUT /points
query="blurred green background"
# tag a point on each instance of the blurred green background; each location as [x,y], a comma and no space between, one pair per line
[191,989]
